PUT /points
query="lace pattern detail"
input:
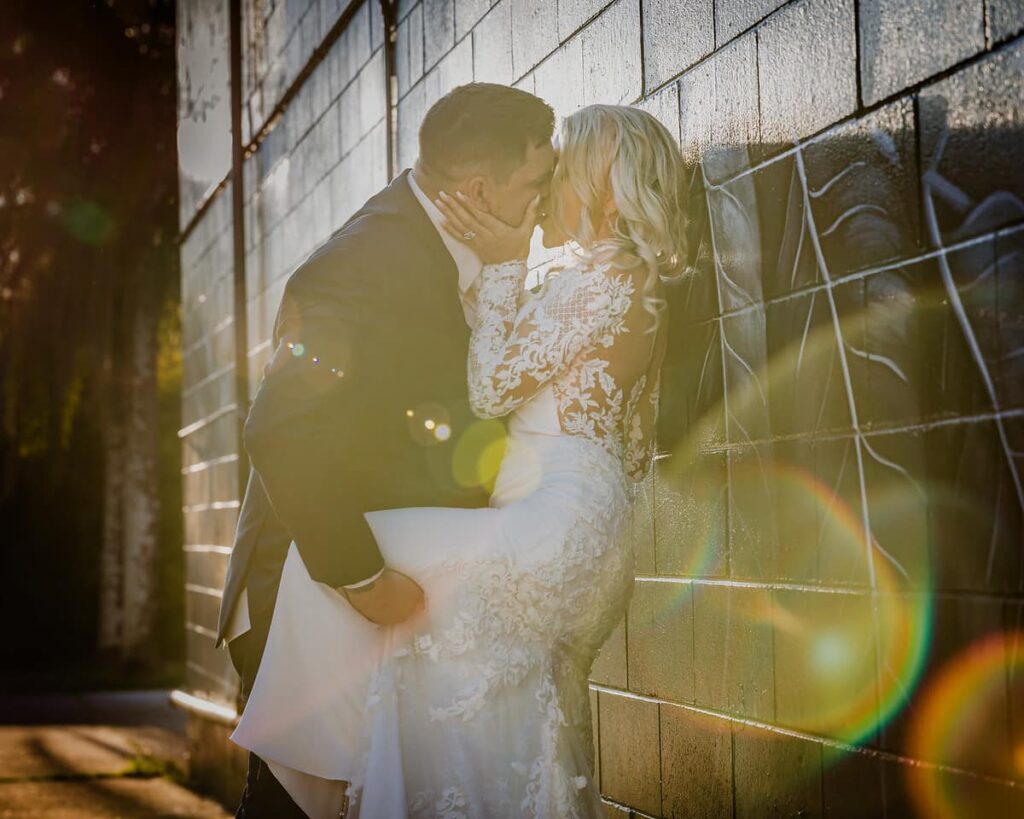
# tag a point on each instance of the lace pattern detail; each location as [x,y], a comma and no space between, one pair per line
[571,334]
[538,625]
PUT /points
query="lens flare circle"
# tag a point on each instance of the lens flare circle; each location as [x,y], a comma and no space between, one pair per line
[859,648]
[962,723]
[477,454]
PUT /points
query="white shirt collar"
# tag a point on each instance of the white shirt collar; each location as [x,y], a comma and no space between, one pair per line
[467,262]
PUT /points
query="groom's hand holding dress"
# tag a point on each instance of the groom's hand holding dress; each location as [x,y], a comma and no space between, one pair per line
[391,598]
[311,434]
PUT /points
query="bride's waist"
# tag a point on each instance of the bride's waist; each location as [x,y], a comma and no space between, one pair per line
[561,463]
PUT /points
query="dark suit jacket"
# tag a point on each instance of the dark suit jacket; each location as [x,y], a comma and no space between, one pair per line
[370,329]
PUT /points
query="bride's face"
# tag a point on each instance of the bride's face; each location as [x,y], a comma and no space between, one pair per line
[564,197]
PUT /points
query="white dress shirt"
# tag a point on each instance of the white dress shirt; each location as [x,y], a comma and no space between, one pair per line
[469,266]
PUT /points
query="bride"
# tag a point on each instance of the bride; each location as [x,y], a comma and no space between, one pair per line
[478,706]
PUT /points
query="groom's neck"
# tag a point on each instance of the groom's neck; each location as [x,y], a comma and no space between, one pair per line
[429,183]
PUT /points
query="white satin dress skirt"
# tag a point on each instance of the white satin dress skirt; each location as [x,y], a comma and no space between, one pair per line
[479,706]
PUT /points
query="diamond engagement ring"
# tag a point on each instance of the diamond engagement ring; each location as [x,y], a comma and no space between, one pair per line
[469,235]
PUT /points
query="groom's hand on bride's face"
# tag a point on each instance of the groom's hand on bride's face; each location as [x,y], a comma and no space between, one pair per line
[392,599]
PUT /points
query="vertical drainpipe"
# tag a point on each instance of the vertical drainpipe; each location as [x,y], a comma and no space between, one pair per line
[241,322]
[389,10]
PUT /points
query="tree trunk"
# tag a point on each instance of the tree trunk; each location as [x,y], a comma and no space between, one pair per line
[140,488]
[113,392]
[111,609]
[129,558]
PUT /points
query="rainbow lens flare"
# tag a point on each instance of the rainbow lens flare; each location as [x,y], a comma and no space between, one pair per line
[962,725]
[857,646]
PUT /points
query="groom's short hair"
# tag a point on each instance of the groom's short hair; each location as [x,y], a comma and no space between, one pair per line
[483,126]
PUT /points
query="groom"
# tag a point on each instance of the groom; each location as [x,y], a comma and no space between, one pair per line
[364,398]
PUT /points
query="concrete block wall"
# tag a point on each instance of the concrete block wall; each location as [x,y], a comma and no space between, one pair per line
[830,564]
[210,404]
[209,442]
[322,159]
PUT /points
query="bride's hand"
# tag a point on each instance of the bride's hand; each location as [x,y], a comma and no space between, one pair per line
[493,240]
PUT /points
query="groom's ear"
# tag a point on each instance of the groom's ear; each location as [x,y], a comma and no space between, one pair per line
[477,190]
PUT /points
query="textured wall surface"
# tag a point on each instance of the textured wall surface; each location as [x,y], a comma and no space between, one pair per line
[830,567]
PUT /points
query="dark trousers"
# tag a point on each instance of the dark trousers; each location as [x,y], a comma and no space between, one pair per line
[263,796]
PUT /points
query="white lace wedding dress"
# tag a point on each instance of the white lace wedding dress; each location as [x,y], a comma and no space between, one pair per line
[479,707]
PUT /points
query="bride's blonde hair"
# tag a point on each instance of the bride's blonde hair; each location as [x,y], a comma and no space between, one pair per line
[631,151]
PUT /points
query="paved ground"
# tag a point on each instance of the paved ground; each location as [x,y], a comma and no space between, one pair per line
[92,756]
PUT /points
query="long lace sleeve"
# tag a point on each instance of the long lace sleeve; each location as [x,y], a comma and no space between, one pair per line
[520,342]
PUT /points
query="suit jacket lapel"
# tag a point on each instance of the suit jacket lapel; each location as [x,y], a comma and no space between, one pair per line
[439,257]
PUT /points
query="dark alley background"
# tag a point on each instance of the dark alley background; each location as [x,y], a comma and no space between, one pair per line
[89,345]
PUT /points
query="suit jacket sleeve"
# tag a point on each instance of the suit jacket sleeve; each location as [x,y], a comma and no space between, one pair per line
[306,431]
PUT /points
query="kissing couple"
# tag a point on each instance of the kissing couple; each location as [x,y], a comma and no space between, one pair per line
[413,642]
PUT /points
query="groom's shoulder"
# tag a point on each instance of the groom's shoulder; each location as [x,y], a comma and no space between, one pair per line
[377,236]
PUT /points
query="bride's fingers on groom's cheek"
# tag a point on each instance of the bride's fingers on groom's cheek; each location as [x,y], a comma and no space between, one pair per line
[451,220]
[456,228]
[456,232]
[450,213]
[447,201]
[465,213]
[462,202]
[481,220]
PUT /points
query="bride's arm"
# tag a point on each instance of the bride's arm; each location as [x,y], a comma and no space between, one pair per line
[519,344]
[497,304]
